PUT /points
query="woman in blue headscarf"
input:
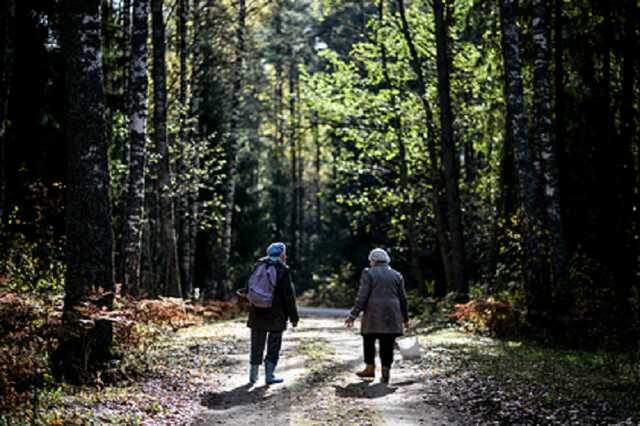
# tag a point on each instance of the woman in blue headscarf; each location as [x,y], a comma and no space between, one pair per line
[268,323]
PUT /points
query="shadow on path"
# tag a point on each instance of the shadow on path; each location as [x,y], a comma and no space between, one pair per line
[242,395]
[364,389]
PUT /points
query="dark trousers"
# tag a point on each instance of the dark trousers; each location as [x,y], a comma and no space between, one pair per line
[273,339]
[385,342]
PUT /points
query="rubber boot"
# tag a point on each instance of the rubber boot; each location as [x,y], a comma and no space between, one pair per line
[386,374]
[269,369]
[253,373]
[368,372]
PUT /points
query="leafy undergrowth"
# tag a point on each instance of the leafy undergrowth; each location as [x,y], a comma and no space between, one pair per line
[495,317]
[507,382]
[146,384]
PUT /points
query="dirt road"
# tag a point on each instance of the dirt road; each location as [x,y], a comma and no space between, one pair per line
[317,362]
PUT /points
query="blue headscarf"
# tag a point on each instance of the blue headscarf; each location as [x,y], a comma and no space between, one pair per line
[276,251]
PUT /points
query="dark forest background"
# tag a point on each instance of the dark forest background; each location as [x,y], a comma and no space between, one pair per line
[490,146]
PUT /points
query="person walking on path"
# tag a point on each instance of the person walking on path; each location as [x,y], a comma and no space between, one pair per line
[383,301]
[272,305]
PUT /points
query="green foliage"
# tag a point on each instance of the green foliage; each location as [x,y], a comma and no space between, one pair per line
[118,146]
[336,289]
[378,127]
[590,284]
[594,307]
[28,265]
[422,307]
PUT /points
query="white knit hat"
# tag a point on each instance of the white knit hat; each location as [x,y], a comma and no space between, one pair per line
[378,255]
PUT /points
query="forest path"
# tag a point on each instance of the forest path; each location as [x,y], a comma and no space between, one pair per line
[317,362]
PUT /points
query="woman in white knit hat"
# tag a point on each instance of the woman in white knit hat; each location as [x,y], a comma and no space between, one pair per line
[383,301]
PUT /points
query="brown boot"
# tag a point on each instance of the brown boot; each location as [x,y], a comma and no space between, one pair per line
[368,372]
[385,374]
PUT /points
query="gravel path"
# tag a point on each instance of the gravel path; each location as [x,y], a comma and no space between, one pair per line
[317,362]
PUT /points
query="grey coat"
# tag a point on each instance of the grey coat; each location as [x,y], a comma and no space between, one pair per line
[383,300]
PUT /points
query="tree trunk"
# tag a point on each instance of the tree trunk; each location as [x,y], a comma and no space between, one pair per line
[116,74]
[278,197]
[410,231]
[107,44]
[183,207]
[559,88]
[6,77]
[110,84]
[293,150]
[126,52]
[628,124]
[134,205]
[449,162]
[89,245]
[470,167]
[317,163]
[544,141]
[629,220]
[212,276]
[437,202]
[167,245]
[536,282]
[302,234]
[224,284]
[195,101]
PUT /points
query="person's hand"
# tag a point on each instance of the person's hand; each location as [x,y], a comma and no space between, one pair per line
[348,322]
[406,323]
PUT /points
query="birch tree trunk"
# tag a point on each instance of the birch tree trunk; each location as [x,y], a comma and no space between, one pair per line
[134,204]
[544,141]
[558,53]
[536,280]
[167,246]
[232,154]
[126,52]
[107,45]
[89,245]
[450,167]
[6,76]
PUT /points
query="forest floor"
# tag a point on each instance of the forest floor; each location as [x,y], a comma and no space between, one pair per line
[199,375]
[318,360]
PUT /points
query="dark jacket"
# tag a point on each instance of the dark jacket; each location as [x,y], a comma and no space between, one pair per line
[283,307]
[383,299]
